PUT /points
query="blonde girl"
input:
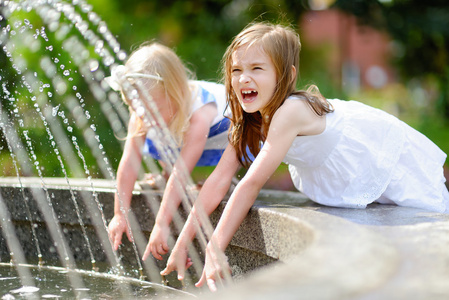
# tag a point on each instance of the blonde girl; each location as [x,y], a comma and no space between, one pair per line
[340,153]
[194,113]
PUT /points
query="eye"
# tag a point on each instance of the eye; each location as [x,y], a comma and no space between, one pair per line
[257,68]
[235,70]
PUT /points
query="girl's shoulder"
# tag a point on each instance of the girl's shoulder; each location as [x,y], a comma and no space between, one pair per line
[205,92]
[298,113]
[295,105]
[290,112]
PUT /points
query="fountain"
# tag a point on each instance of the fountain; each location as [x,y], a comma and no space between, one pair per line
[54,219]
[67,214]
[46,95]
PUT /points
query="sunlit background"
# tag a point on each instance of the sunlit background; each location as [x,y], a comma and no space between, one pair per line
[390,54]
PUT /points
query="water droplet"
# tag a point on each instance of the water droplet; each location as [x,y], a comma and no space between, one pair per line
[140,111]
[102,28]
[134,94]
[54,110]
[93,65]
[93,17]
[121,55]
[108,61]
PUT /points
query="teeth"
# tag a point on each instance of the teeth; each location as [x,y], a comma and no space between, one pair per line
[248,92]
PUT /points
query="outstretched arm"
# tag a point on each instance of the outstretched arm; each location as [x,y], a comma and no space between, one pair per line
[210,196]
[127,172]
[285,126]
[193,147]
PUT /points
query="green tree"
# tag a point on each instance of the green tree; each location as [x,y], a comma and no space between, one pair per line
[199,30]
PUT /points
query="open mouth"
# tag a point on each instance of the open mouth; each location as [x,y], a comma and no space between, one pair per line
[249,95]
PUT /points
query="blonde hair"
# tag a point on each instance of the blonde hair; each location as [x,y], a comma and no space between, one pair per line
[160,61]
[282,45]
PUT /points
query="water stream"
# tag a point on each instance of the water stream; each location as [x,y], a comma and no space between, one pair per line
[56,55]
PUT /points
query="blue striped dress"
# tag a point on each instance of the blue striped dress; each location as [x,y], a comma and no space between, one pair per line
[206,92]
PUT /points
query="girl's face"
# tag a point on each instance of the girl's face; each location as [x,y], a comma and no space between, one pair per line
[253,78]
[163,103]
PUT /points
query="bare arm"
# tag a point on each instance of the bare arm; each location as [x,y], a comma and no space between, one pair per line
[213,191]
[211,194]
[126,177]
[292,119]
[193,147]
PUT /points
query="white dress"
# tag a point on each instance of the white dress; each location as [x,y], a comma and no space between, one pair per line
[366,155]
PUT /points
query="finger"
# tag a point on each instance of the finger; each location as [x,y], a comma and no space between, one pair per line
[162,249]
[165,247]
[202,280]
[145,255]
[110,235]
[147,252]
[168,269]
[155,253]
[211,285]
[117,241]
[181,271]
[129,235]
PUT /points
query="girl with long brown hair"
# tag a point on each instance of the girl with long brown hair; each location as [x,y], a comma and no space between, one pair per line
[340,153]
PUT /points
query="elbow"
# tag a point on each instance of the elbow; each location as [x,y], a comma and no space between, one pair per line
[219,183]
[249,187]
[252,183]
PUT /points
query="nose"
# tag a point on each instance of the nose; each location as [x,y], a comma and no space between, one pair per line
[244,78]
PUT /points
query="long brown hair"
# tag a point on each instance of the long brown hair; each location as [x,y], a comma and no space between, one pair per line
[282,45]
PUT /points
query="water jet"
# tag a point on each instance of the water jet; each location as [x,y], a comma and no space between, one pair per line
[55,216]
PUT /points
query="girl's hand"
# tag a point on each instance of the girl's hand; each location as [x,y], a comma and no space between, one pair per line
[178,261]
[215,269]
[157,245]
[116,228]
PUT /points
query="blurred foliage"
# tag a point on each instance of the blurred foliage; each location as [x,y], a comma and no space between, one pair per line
[420,30]
[199,31]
